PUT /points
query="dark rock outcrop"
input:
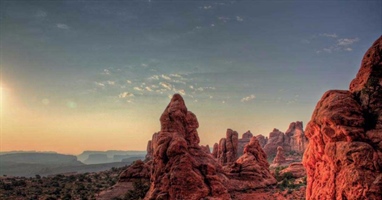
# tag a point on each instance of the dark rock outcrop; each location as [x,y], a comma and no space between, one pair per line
[343,159]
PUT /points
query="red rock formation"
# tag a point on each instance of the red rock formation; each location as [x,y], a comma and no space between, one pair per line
[251,170]
[181,169]
[149,148]
[215,150]
[227,150]
[206,148]
[296,138]
[343,159]
[279,158]
[262,140]
[276,138]
[137,170]
[244,140]
[296,168]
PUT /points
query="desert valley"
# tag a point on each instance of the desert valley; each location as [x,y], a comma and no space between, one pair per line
[338,156]
[190,100]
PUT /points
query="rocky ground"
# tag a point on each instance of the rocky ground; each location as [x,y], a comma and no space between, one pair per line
[88,185]
[62,186]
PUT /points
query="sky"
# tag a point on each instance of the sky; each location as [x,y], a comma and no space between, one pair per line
[96,75]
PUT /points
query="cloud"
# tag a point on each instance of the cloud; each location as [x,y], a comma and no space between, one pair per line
[176,75]
[111,82]
[41,14]
[166,85]
[338,44]
[207,7]
[248,98]
[137,88]
[125,95]
[106,72]
[62,26]
[346,41]
[166,77]
[239,19]
[333,35]
[128,81]
[181,92]
[99,84]
[148,89]
[154,77]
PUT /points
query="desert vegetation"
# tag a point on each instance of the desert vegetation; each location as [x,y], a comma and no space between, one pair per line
[61,186]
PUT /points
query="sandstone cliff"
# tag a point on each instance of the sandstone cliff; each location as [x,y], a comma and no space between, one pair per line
[343,159]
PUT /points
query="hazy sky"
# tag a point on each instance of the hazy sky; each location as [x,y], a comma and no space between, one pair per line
[96,75]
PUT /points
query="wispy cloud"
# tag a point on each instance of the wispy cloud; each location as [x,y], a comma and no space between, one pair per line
[148,89]
[346,41]
[239,19]
[62,26]
[334,42]
[166,85]
[125,95]
[330,35]
[138,89]
[166,77]
[248,98]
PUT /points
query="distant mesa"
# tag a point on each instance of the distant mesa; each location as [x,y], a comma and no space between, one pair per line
[343,159]
[110,156]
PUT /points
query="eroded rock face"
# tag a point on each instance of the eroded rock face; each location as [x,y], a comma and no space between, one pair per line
[227,150]
[215,150]
[181,169]
[244,140]
[262,140]
[296,168]
[137,170]
[343,159]
[280,158]
[296,138]
[206,148]
[276,138]
[251,170]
